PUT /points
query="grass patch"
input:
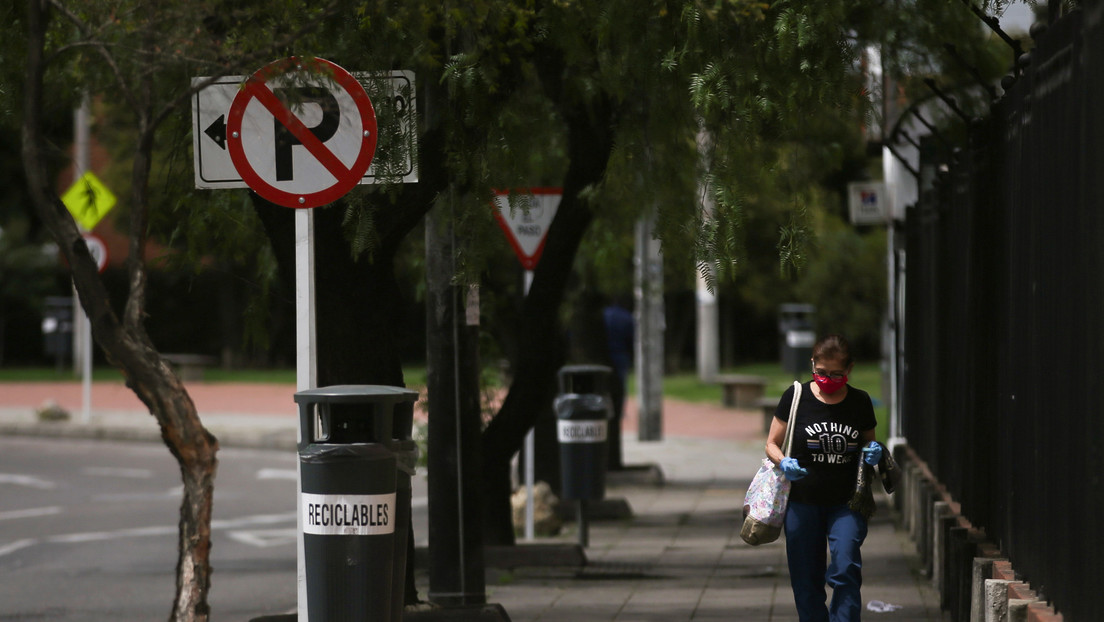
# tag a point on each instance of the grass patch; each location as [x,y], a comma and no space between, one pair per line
[688,387]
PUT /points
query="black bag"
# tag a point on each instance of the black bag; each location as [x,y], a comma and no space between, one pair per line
[862,500]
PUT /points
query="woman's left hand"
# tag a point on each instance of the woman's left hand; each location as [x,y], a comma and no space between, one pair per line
[872,453]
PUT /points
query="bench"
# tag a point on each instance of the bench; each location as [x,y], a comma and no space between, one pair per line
[190,366]
[767,406]
[741,390]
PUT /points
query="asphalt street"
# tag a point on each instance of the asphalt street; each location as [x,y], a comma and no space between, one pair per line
[88,531]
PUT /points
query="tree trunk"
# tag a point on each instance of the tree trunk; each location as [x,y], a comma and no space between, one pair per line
[542,345]
[456,573]
[125,342]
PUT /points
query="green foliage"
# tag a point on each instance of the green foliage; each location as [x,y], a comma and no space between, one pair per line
[27,270]
[748,74]
[846,280]
[739,121]
[793,243]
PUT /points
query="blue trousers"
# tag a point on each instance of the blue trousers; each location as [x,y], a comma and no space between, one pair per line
[808,529]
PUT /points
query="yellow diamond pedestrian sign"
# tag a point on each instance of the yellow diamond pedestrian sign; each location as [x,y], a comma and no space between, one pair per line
[88,200]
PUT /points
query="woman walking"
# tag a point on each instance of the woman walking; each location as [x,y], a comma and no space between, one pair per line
[835,427]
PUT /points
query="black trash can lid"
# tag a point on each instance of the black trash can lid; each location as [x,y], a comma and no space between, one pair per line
[356,394]
[583,406]
[585,378]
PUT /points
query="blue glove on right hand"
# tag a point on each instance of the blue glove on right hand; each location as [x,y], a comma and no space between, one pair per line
[791,469]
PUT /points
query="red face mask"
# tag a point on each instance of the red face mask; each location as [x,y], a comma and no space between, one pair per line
[828,385]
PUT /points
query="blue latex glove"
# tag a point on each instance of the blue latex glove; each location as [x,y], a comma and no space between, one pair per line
[791,469]
[872,453]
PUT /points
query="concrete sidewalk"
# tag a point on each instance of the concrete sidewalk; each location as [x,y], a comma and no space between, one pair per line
[679,557]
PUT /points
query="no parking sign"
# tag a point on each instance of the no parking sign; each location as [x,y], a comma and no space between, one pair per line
[301,132]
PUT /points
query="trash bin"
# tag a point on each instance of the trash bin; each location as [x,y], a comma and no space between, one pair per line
[349,505]
[796,336]
[57,328]
[583,411]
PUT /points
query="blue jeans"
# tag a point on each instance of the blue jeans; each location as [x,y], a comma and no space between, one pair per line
[808,528]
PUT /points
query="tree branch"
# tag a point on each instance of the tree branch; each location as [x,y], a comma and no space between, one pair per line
[100,47]
[245,61]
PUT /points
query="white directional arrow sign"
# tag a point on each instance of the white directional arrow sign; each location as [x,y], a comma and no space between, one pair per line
[214,167]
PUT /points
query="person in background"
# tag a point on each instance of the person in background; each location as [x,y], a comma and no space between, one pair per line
[835,427]
[620,329]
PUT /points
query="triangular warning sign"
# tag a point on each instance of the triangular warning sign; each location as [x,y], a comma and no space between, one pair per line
[525,219]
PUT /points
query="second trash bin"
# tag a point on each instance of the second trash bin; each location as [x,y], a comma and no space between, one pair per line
[796,336]
[349,502]
[583,410]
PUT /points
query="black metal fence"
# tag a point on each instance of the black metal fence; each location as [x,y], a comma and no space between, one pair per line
[1004,318]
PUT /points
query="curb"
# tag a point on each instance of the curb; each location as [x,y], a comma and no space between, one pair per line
[276,439]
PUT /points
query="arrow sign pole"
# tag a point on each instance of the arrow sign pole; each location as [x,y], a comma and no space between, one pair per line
[526,229]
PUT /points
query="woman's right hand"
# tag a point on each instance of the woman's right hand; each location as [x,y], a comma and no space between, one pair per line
[791,469]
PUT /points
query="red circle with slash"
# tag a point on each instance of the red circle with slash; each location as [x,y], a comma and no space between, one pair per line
[257,87]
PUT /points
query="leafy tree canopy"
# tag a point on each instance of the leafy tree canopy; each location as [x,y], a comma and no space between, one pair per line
[760,100]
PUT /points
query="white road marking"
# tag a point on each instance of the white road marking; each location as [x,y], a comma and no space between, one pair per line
[277,474]
[30,513]
[99,536]
[118,472]
[15,546]
[258,519]
[265,538]
[29,481]
[139,532]
[175,492]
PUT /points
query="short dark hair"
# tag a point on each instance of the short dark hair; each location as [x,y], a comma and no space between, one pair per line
[832,347]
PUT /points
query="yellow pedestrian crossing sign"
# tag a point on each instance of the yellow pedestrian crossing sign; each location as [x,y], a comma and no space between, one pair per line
[88,200]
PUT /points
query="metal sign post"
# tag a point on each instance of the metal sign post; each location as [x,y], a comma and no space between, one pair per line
[88,200]
[526,228]
[301,143]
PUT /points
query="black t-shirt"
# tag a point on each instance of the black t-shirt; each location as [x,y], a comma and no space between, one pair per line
[826,442]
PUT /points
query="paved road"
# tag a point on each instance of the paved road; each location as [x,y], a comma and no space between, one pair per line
[88,531]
